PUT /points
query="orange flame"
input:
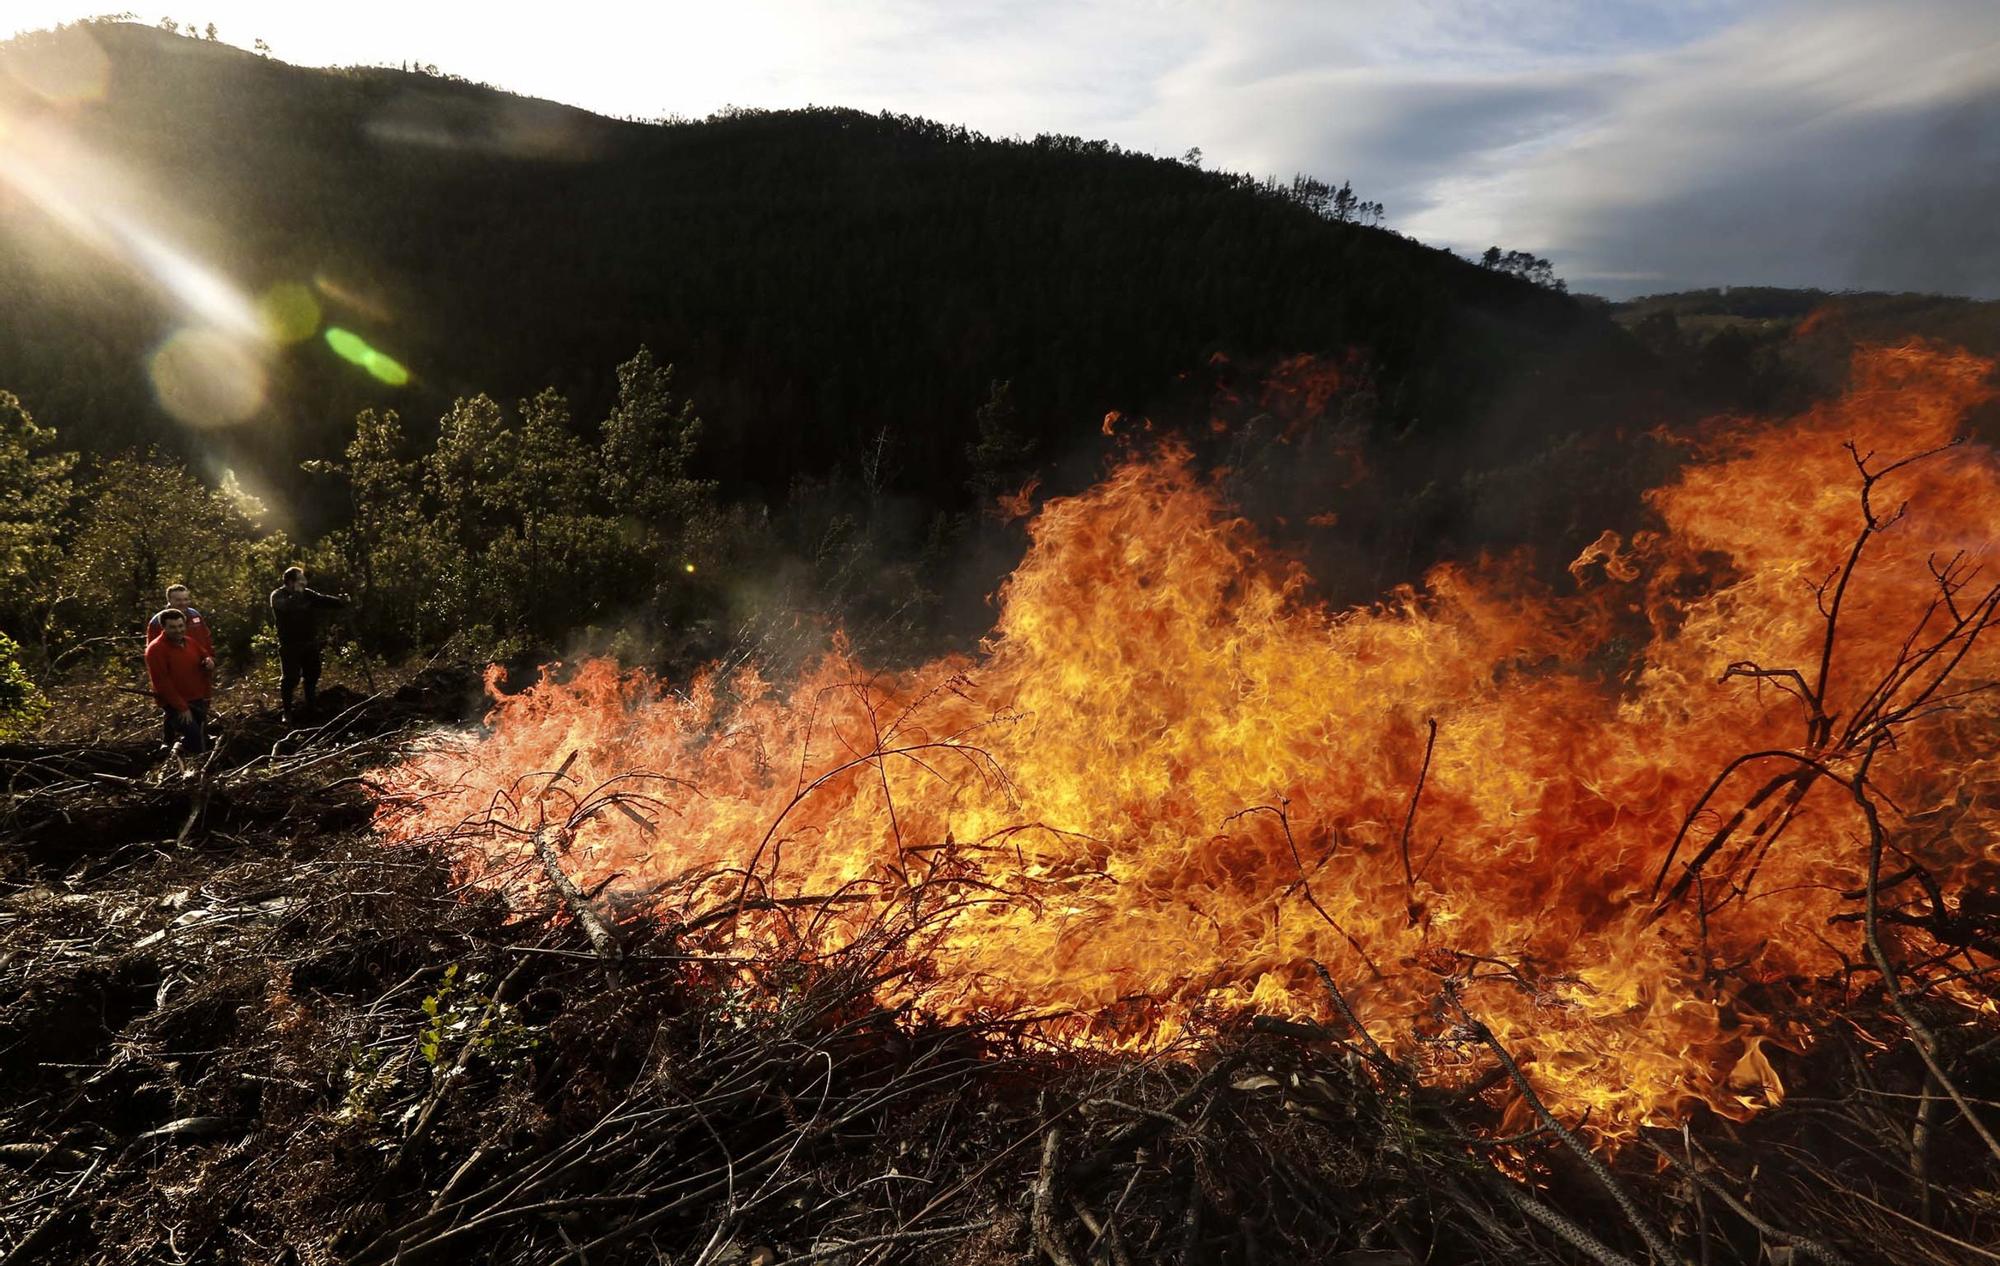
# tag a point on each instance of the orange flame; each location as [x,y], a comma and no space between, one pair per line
[1175,782]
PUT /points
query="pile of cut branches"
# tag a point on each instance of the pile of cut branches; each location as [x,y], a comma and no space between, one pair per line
[236,1028]
[76,802]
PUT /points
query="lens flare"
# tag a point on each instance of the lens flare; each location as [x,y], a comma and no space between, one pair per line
[60,67]
[351,299]
[351,347]
[290,313]
[207,378]
[205,292]
[106,211]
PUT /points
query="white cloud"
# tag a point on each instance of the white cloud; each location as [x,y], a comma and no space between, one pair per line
[1786,150]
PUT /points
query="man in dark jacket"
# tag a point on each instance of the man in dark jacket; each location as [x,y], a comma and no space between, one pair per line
[179,682]
[295,610]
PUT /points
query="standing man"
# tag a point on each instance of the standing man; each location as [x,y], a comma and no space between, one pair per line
[180,683]
[198,631]
[295,610]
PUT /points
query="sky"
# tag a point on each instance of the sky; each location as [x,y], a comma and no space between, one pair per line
[1641,146]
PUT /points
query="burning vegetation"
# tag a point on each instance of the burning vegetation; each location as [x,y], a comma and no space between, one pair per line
[1645,835]
[1647,916]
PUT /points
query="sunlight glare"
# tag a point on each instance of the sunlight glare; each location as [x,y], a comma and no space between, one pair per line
[89,198]
[207,378]
[251,505]
[199,288]
[61,68]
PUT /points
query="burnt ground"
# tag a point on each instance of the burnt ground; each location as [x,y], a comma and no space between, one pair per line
[234,1027]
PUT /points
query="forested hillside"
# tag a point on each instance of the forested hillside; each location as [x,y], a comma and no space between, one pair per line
[518,374]
[819,278]
[1767,347]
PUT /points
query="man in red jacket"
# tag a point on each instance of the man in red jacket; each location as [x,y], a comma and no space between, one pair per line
[179,680]
[199,632]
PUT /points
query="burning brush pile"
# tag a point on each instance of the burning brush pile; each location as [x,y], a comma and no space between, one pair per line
[1651,916]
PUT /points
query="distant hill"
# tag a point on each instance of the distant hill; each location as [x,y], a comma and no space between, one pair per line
[819,277]
[1770,348]
[1970,323]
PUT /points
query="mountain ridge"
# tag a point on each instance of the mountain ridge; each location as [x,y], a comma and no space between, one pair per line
[818,276]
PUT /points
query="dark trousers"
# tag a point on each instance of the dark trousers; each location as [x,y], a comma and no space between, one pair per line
[298,662]
[193,735]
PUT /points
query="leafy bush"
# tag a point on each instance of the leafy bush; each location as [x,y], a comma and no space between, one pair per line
[22,704]
[147,522]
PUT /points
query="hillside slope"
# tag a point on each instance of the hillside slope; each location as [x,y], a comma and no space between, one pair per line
[819,277]
[1772,349]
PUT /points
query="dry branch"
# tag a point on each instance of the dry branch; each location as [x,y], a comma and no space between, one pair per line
[1048,1235]
[602,939]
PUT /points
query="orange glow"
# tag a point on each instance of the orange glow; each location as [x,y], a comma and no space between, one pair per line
[1169,781]
[1299,390]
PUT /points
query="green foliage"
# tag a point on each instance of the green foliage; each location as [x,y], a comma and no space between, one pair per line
[385,547]
[22,704]
[466,474]
[650,439]
[667,522]
[462,1019]
[147,521]
[547,485]
[370,1079]
[35,495]
[999,454]
[465,480]
[520,526]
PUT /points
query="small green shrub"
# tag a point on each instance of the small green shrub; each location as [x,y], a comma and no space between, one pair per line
[22,704]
